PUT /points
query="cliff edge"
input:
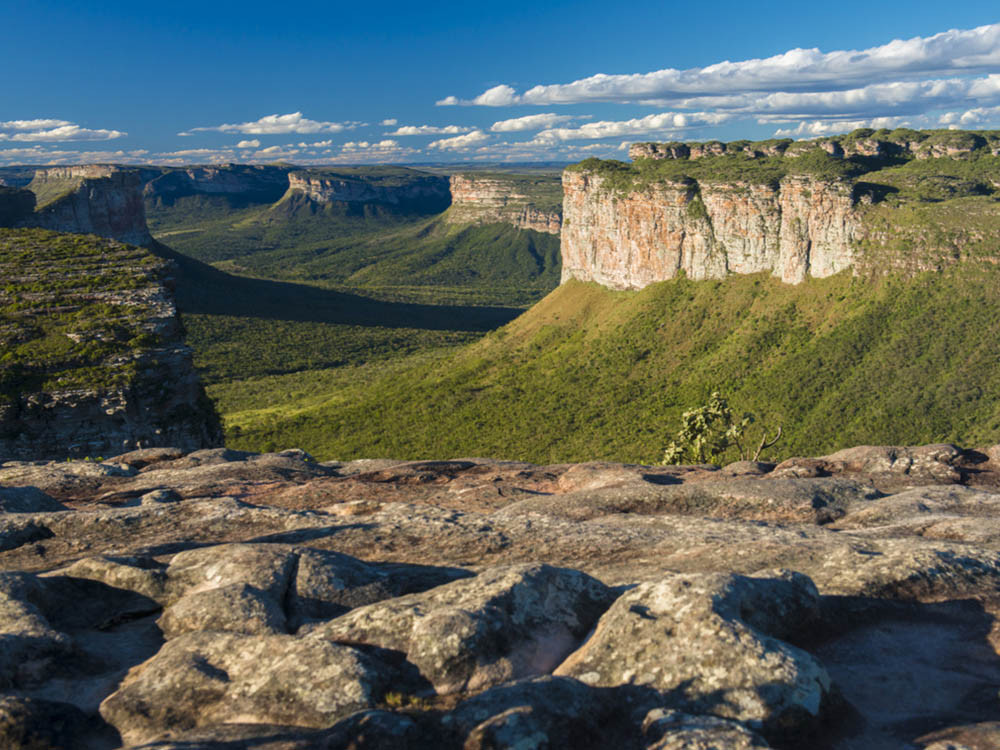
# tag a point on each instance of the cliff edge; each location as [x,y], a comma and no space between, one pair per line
[94,362]
[523,201]
[875,200]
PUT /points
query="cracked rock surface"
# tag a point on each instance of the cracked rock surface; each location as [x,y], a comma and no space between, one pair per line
[222,599]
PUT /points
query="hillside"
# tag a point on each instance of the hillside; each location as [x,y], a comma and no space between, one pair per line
[383,231]
[91,353]
[591,373]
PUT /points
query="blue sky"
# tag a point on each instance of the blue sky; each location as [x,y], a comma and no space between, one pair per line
[312,82]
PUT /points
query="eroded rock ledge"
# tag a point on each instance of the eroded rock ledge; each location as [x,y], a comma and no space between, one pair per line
[223,599]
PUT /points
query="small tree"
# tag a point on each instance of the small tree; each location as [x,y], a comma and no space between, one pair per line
[709,431]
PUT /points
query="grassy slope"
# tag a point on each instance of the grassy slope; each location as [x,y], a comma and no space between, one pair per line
[589,373]
[405,258]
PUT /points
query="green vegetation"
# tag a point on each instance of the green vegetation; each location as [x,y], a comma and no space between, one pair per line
[593,374]
[712,432]
[67,318]
[542,191]
[394,257]
[50,190]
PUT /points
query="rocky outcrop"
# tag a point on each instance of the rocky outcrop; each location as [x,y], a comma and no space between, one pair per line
[92,199]
[399,190]
[801,227]
[264,184]
[277,601]
[793,209]
[490,199]
[94,358]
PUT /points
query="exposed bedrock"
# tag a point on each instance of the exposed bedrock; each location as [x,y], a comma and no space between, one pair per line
[803,227]
[222,599]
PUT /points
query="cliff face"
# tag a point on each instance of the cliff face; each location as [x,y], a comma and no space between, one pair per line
[804,227]
[477,199]
[257,183]
[95,360]
[92,199]
[403,190]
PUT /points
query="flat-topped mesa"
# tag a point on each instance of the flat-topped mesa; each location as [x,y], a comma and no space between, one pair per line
[399,188]
[801,227]
[525,202]
[94,357]
[794,209]
[100,199]
[265,183]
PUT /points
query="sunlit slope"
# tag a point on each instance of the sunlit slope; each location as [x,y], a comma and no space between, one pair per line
[590,373]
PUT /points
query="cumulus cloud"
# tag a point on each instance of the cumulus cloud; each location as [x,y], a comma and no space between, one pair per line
[530,122]
[816,128]
[315,144]
[430,130]
[460,142]
[48,155]
[971,118]
[53,131]
[389,122]
[954,52]
[278,125]
[664,122]
[248,144]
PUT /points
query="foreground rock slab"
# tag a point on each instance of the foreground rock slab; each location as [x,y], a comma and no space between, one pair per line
[222,599]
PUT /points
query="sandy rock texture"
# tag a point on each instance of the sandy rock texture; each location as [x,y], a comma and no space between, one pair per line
[223,599]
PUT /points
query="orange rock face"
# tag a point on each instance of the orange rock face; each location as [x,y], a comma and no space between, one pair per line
[804,227]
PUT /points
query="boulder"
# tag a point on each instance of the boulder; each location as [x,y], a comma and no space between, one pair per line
[713,642]
[506,623]
[30,647]
[236,608]
[201,679]
[544,712]
[664,729]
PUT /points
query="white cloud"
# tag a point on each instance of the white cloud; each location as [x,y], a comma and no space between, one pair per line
[954,52]
[248,144]
[817,128]
[448,101]
[316,144]
[530,122]
[52,131]
[278,125]
[460,142]
[664,122]
[389,122]
[430,130]
[971,118]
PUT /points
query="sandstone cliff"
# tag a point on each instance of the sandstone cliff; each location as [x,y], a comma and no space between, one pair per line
[395,189]
[803,227]
[93,199]
[94,359]
[872,200]
[264,184]
[525,202]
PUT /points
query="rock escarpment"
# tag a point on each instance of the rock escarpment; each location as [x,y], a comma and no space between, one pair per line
[398,190]
[94,199]
[525,202]
[221,599]
[251,183]
[871,200]
[801,227]
[94,360]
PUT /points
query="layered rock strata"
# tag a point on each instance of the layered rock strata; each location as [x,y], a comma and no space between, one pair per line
[94,356]
[801,227]
[93,199]
[412,191]
[221,599]
[257,183]
[478,199]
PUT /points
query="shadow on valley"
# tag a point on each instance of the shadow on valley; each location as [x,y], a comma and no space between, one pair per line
[203,289]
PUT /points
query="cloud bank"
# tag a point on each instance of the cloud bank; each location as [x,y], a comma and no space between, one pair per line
[52,131]
[277,125]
